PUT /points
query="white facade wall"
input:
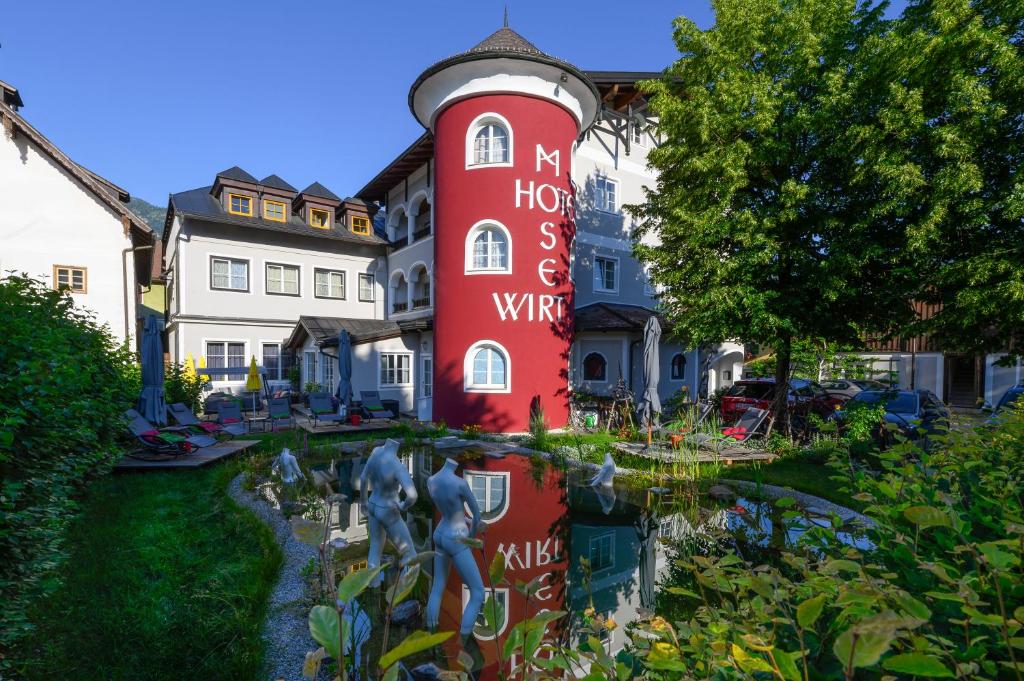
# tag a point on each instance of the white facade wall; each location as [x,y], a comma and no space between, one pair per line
[998,379]
[49,218]
[404,204]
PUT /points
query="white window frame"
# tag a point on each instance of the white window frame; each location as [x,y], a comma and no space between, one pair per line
[380,369]
[489,118]
[639,135]
[599,275]
[229,259]
[583,367]
[211,371]
[426,377]
[467,369]
[263,363]
[328,365]
[610,535]
[506,478]
[267,264]
[329,271]
[373,288]
[471,235]
[601,195]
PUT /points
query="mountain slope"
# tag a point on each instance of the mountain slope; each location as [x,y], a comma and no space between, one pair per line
[153,215]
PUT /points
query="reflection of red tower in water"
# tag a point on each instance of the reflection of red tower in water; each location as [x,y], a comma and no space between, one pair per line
[503,323]
[528,528]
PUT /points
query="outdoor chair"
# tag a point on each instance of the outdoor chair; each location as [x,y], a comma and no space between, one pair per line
[321,409]
[183,416]
[173,440]
[279,409]
[229,416]
[373,408]
[745,428]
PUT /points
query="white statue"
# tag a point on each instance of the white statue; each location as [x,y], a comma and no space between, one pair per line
[288,466]
[606,476]
[451,495]
[387,477]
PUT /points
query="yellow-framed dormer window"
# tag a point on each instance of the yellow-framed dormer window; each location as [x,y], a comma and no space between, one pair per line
[320,218]
[275,211]
[240,204]
[360,225]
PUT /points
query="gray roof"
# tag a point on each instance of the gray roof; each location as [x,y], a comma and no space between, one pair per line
[505,40]
[324,330]
[236,173]
[614,317]
[200,204]
[317,189]
[275,182]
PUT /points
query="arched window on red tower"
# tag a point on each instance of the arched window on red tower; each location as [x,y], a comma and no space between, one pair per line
[488,248]
[489,141]
[487,368]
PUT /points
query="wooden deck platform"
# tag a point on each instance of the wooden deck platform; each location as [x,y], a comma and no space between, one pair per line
[726,455]
[200,457]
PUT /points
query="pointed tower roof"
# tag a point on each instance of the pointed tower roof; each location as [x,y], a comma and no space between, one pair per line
[237,174]
[275,182]
[509,45]
[318,190]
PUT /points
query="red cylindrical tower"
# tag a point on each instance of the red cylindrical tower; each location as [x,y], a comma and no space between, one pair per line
[505,117]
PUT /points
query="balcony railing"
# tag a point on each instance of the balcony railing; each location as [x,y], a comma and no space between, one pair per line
[400,307]
[420,303]
[421,233]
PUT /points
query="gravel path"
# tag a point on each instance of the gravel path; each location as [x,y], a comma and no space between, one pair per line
[285,630]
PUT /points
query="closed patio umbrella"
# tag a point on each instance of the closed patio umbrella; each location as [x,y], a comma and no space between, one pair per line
[152,405]
[650,403]
[252,382]
[344,392]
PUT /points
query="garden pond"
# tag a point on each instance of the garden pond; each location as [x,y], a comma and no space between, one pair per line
[549,523]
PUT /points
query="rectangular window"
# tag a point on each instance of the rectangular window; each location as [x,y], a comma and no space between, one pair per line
[229,274]
[602,549]
[606,194]
[71,278]
[606,274]
[274,210]
[272,361]
[329,283]
[427,379]
[360,225]
[366,288]
[329,365]
[395,369]
[637,134]
[224,354]
[319,218]
[282,280]
[308,368]
[240,204]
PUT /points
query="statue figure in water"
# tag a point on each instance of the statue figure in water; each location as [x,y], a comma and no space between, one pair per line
[451,495]
[387,477]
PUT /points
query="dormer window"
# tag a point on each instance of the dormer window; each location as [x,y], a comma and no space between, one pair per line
[489,142]
[320,218]
[240,204]
[275,211]
[360,225]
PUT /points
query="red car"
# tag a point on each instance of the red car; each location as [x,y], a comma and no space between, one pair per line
[805,397]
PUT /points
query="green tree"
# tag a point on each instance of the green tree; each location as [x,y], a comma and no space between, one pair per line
[953,117]
[757,234]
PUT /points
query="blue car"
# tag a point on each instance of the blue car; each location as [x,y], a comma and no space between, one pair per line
[916,413]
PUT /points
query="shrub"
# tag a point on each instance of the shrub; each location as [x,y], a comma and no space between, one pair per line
[936,594]
[63,386]
[183,387]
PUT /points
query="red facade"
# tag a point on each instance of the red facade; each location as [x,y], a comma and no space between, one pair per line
[528,312]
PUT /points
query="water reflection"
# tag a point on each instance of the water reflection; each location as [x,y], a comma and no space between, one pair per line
[544,521]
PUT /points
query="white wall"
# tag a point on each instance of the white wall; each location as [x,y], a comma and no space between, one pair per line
[48,218]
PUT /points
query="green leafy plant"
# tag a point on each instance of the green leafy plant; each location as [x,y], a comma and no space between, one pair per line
[472,431]
[312,387]
[183,387]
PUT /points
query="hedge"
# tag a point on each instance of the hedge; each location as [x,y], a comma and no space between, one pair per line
[63,383]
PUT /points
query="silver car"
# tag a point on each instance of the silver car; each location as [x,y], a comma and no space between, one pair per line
[848,387]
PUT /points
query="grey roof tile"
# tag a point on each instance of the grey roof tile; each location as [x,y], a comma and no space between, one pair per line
[236,173]
[317,189]
[275,182]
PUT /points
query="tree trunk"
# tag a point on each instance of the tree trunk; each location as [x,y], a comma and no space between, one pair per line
[780,405]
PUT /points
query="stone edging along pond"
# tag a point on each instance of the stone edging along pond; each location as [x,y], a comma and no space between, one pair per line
[285,630]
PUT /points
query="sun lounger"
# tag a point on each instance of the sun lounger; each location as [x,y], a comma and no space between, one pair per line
[322,409]
[279,409]
[183,416]
[373,408]
[744,429]
[176,440]
[229,416]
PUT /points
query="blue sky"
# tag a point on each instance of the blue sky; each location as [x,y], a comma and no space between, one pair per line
[158,97]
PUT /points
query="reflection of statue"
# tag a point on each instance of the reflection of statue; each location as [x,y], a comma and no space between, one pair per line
[606,476]
[451,495]
[387,477]
[288,467]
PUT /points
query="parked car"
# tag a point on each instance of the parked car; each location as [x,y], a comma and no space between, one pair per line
[1014,394]
[848,387]
[805,397]
[916,413]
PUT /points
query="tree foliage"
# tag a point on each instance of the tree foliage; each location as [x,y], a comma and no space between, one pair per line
[63,386]
[758,237]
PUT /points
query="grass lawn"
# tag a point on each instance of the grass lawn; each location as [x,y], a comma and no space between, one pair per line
[799,474]
[167,578]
